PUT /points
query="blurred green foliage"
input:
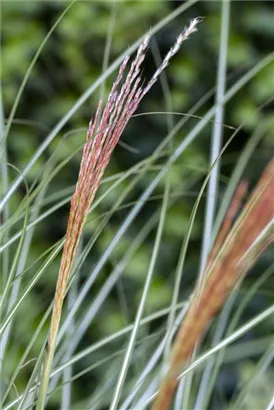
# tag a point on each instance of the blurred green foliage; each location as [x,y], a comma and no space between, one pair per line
[71,61]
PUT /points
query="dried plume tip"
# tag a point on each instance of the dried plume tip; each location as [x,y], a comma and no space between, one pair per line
[183,36]
[102,136]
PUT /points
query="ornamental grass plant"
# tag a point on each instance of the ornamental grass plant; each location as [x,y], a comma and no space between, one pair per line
[136,263]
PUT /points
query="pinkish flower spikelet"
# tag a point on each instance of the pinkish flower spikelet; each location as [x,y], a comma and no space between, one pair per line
[103,134]
[120,106]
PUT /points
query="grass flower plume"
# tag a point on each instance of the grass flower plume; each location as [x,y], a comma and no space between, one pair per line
[235,250]
[103,134]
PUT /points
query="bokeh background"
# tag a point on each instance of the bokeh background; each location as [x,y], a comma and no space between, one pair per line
[72,60]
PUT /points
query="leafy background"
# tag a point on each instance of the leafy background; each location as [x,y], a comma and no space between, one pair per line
[70,62]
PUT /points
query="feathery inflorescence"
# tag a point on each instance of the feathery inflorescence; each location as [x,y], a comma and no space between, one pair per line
[102,136]
[236,249]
